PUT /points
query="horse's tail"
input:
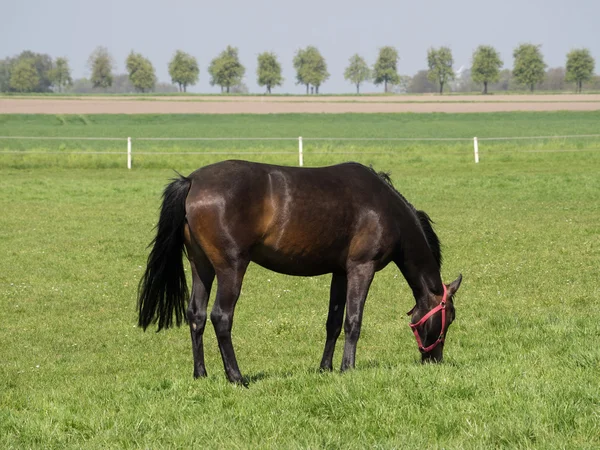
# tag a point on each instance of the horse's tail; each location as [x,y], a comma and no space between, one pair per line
[163,289]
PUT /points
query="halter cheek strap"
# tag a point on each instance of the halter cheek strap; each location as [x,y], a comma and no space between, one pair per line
[414,326]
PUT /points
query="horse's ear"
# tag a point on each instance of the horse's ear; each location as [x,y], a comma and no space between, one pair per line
[453,287]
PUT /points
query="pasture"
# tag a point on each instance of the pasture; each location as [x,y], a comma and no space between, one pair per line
[522,364]
[32,153]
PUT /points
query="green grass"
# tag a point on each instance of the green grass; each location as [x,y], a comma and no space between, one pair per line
[30,153]
[307,125]
[522,364]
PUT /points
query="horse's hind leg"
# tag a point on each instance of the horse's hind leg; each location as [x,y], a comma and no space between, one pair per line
[203,276]
[229,282]
[337,301]
[202,279]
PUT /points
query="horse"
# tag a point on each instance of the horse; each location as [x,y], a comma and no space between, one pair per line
[346,220]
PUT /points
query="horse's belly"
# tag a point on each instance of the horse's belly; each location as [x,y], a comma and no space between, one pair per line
[294,262]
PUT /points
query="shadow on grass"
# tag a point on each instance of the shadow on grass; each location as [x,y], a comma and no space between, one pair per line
[372,364]
[387,365]
[263,376]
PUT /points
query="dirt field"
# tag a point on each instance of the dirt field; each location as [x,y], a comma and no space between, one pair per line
[298,104]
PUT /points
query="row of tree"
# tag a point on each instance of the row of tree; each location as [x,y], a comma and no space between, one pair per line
[34,72]
[529,67]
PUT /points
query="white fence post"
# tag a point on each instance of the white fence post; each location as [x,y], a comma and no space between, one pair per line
[129,153]
[476,147]
[300,156]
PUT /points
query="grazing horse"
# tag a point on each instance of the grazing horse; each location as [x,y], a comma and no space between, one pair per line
[346,220]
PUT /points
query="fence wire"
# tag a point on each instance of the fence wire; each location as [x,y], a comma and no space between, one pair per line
[315,150]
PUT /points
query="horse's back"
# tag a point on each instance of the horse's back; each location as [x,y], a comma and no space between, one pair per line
[299,221]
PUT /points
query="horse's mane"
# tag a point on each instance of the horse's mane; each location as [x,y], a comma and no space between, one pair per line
[426,223]
[432,238]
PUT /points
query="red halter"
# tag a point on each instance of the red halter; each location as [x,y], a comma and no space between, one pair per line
[414,326]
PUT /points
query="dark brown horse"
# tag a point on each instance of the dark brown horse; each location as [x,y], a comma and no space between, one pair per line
[346,220]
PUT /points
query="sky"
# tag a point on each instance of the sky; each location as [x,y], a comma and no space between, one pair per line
[339,29]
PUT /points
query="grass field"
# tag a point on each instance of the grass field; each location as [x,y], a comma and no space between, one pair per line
[32,153]
[522,364]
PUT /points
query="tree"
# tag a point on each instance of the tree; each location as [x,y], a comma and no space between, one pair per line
[505,81]
[580,67]
[141,72]
[42,64]
[60,75]
[24,77]
[385,69]
[226,69]
[239,89]
[440,66]
[463,82]
[162,86]
[183,70]
[529,68]
[311,68]
[269,71]
[594,83]
[554,79]
[401,87]
[5,68]
[420,83]
[486,66]
[357,71]
[101,65]
[121,85]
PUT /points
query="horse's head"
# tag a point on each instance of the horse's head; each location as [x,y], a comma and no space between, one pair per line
[430,320]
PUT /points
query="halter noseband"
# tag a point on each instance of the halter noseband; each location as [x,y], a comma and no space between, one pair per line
[414,326]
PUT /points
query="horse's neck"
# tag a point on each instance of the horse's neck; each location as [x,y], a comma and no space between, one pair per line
[421,271]
[423,283]
[414,256]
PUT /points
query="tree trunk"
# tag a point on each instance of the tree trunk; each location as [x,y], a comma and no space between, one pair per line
[531,88]
[441,87]
[185,88]
[268,89]
[306,88]
[227,89]
[385,86]
[357,88]
[485,88]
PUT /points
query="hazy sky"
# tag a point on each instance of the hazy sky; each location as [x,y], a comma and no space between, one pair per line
[73,28]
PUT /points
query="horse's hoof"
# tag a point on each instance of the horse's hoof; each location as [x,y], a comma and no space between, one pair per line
[200,374]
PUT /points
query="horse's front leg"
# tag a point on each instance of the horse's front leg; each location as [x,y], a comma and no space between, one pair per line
[203,276]
[337,301]
[228,291]
[359,281]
